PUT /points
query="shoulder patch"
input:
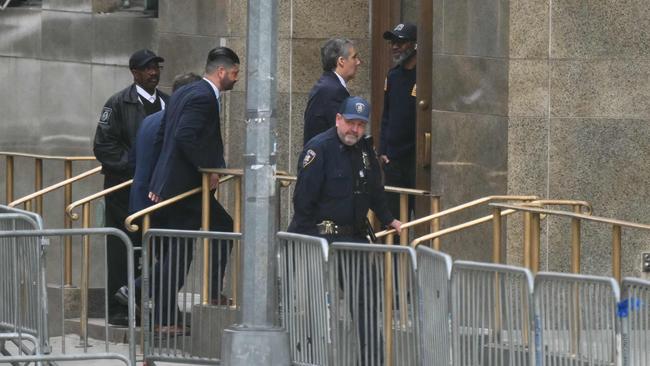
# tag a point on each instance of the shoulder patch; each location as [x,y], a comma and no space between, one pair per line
[106,115]
[310,156]
[414,91]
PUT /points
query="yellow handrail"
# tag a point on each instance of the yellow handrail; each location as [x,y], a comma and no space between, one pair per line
[93,197]
[128,222]
[454,209]
[617,226]
[48,157]
[56,186]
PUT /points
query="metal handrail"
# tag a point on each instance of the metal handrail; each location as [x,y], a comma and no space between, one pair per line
[55,186]
[128,222]
[435,217]
[94,196]
[617,226]
[38,173]
[49,157]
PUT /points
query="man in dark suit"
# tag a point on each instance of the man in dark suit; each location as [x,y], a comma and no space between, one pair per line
[340,61]
[190,135]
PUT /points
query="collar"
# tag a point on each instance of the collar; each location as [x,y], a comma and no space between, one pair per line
[341,79]
[151,98]
[214,87]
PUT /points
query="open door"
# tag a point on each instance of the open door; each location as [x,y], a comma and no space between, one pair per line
[423,101]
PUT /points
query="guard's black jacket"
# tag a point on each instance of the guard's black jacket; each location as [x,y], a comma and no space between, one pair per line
[339,183]
[116,131]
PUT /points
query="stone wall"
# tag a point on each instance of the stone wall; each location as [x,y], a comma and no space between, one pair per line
[579,109]
[470,109]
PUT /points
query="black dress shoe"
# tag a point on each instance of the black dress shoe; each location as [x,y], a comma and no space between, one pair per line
[119,319]
[122,297]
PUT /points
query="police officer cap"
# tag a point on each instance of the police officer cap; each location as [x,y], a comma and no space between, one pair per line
[141,58]
[355,108]
[402,31]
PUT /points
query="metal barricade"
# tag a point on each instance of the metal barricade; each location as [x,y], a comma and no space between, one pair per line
[434,271]
[492,315]
[66,359]
[576,320]
[180,323]
[23,305]
[304,300]
[68,325]
[363,330]
[634,314]
[36,217]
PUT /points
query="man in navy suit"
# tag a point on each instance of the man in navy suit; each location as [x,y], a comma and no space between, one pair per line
[340,61]
[144,157]
[190,135]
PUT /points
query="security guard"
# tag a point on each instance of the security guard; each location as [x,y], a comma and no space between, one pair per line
[397,138]
[118,124]
[339,179]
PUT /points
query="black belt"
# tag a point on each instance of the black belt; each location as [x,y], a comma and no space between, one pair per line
[328,227]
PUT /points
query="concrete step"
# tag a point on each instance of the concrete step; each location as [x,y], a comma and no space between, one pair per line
[97,330]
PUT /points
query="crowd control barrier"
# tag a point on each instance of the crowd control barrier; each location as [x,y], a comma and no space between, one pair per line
[180,323]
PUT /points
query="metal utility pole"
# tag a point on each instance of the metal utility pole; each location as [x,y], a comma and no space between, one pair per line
[258,340]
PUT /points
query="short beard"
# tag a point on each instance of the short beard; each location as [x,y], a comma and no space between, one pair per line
[404,56]
[350,140]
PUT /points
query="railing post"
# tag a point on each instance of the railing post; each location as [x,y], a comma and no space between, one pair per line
[9,179]
[616,252]
[535,232]
[527,239]
[435,223]
[38,184]
[85,271]
[67,223]
[496,235]
[205,225]
[237,248]
[388,304]
[575,242]
[403,208]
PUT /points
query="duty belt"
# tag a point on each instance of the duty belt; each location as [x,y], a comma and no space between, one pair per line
[328,227]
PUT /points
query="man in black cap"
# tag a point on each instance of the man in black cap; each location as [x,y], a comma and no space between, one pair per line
[397,139]
[115,136]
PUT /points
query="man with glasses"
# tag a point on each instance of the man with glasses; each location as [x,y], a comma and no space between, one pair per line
[118,124]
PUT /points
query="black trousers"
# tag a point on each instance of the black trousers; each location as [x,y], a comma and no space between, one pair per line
[176,255]
[116,211]
[400,172]
[355,273]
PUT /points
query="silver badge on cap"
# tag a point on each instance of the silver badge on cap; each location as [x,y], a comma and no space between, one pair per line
[359,107]
[399,27]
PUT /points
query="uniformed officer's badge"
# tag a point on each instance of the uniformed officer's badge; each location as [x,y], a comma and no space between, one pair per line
[106,115]
[359,107]
[310,155]
[414,91]
[366,161]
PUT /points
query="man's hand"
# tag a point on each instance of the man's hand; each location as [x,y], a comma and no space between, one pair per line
[154,197]
[395,224]
[214,181]
[384,159]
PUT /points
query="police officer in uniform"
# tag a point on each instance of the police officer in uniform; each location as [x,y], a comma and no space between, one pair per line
[339,179]
[397,139]
[114,138]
